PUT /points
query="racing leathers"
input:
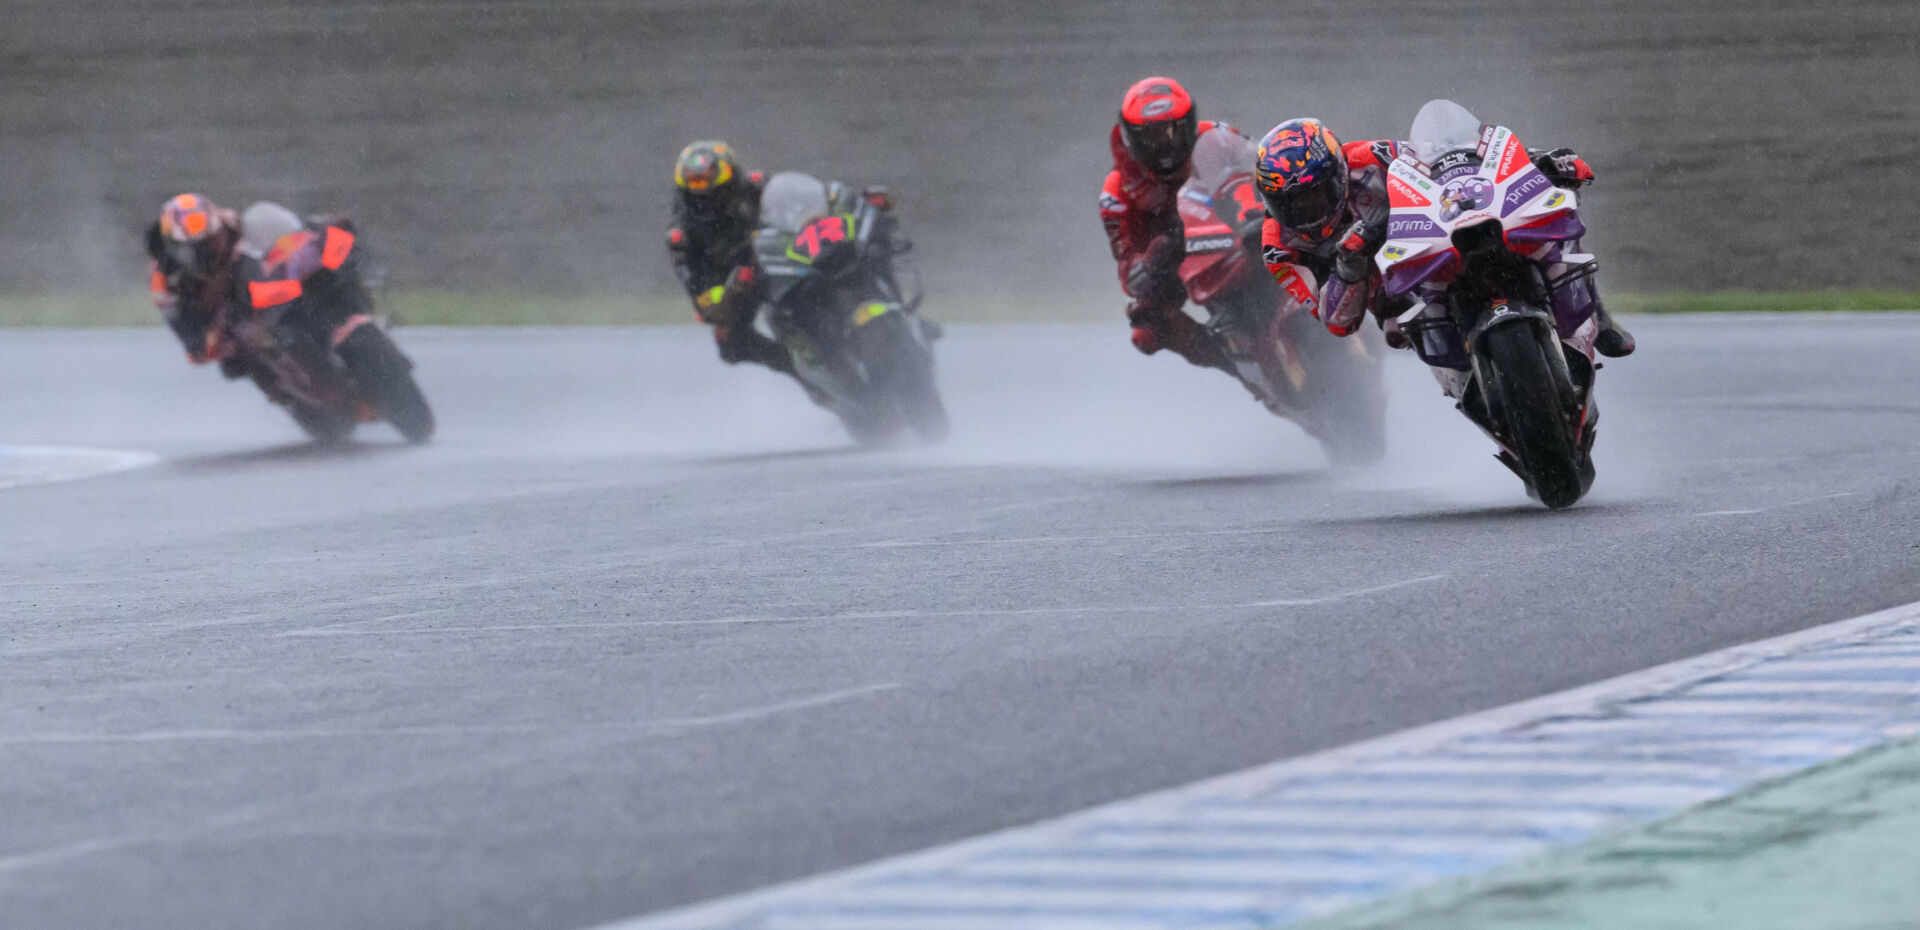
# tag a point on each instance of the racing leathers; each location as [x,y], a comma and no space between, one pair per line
[711,246]
[197,300]
[1142,218]
[1347,255]
[1342,264]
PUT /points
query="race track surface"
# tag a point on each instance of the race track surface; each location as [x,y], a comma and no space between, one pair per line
[639,630]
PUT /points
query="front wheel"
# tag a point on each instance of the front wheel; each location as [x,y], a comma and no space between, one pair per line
[385,377]
[326,427]
[899,362]
[1525,396]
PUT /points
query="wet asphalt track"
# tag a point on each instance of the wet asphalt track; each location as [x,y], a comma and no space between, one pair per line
[637,631]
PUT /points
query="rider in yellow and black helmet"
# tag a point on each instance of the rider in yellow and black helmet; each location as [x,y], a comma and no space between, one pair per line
[716,208]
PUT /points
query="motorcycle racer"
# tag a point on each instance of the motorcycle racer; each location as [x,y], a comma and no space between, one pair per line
[1327,212]
[1152,145]
[716,209]
[191,251]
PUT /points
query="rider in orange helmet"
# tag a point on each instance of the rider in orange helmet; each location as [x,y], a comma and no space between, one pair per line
[192,255]
[1152,145]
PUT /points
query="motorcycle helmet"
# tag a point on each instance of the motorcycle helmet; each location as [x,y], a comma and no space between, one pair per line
[704,167]
[192,233]
[1158,125]
[1302,176]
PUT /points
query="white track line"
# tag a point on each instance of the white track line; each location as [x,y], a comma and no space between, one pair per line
[329,631]
[1304,837]
[25,466]
[1759,510]
[665,724]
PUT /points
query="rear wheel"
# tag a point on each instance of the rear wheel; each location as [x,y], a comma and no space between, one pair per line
[1526,398]
[385,376]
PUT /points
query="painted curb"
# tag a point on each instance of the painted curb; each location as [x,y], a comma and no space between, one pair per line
[1316,835]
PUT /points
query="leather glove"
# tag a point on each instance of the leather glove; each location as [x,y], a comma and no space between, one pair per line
[1564,168]
[1353,260]
[1154,277]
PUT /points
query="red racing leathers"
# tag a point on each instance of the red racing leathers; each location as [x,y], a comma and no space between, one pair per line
[1142,217]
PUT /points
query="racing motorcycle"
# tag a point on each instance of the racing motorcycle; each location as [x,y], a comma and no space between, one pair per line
[313,342]
[844,298]
[1504,299]
[1331,387]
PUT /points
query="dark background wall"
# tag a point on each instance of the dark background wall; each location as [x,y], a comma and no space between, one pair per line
[528,144]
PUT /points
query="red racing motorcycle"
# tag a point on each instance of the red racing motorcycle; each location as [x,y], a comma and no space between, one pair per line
[1331,387]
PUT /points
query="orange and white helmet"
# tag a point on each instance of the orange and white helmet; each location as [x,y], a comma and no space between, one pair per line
[189,218]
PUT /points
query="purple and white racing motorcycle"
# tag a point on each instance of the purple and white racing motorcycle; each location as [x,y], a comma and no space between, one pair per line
[1503,311]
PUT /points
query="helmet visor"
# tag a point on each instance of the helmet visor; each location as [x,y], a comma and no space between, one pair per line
[1162,146]
[1307,207]
[198,259]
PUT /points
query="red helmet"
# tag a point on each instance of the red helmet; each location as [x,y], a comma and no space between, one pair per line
[1159,126]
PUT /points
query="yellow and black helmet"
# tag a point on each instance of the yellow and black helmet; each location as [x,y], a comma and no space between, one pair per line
[704,166]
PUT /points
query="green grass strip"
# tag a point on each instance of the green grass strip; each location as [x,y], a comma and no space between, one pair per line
[1830,848]
[1760,301]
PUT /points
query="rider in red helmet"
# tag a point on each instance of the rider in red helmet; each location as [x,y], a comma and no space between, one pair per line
[1152,148]
[1327,213]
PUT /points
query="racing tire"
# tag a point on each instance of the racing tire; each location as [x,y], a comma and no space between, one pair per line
[326,427]
[904,374]
[1528,400]
[385,376]
[870,428]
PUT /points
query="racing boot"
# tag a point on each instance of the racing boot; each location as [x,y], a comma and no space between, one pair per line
[746,344]
[1613,341]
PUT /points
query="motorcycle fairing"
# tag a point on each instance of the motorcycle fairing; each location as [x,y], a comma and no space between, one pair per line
[1506,189]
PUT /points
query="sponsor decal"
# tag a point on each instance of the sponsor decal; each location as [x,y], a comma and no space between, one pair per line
[1412,226]
[1402,194]
[1453,164]
[1157,107]
[1210,244]
[1513,155]
[1275,255]
[1500,308]
[1558,198]
[1111,204]
[1298,289]
[1528,188]
[1393,253]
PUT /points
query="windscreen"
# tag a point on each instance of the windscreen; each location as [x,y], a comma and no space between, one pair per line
[791,199]
[1220,155]
[263,224]
[1440,127]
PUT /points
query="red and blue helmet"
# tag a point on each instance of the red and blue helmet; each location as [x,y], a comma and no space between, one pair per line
[1302,176]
